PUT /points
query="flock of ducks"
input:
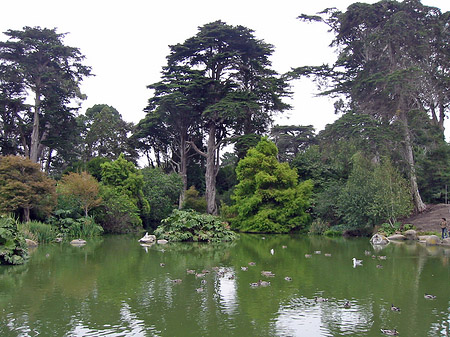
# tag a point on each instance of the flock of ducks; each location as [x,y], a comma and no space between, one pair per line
[262,283]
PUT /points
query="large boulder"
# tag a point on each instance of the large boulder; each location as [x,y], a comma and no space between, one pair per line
[78,242]
[411,234]
[446,242]
[433,240]
[379,239]
[397,237]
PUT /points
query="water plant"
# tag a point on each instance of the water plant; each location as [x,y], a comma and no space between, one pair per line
[38,231]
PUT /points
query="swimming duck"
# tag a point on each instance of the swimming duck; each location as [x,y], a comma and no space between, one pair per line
[320,299]
[317,252]
[284,247]
[199,275]
[382,257]
[393,308]
[162,264]
[252,264]
[379,266]
[199,290]
[267,273]
[390,332]
[177,280]
[254,284]
[244,268]
[327,254]
[308,256]
[272,251]
[263,283]
[357,262]
[367,253]
[347,305]
[287,278]
[429,297]
[190,271]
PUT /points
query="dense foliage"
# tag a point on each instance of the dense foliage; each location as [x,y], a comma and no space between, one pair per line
[192,226]
[13,248]
[268,197]
[162,191]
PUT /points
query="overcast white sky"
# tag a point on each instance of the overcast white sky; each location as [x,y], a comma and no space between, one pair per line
[126,42]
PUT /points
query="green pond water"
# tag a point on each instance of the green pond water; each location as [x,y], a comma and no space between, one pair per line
[115,287]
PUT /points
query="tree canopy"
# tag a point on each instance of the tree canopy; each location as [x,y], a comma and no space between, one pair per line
[393,61]
[38,62]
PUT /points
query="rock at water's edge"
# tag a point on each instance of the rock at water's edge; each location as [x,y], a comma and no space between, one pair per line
[411,234]
[398,237]
[433,240]
[162,241]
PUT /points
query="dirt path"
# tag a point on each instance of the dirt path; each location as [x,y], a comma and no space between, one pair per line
[429,219]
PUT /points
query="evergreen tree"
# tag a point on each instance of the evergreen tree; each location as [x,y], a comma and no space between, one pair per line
[268,197]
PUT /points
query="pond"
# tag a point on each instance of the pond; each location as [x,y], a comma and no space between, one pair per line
[115,287]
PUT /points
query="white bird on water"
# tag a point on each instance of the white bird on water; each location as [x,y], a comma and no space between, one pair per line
[356,262]
[272,251]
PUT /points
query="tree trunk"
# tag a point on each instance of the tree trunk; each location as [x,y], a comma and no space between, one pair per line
[34,146]
[183,169]
[210,175]
[26,214]
[419,205]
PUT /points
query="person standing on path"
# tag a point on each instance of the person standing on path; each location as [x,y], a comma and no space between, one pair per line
[444,227]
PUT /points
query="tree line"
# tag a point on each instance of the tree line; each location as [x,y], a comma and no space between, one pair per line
[385,157]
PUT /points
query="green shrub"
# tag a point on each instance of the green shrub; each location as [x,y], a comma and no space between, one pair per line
[192,226]
[390,229]
[117,213]
[192,200]
[13,248]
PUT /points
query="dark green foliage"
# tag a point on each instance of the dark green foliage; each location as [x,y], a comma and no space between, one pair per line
[118,213]
[356,197]
[106,134]
[192,226]
[194,201]
[245,142]
[162,191]
[13,248]
[268,197]
[291,140]
[93,167]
